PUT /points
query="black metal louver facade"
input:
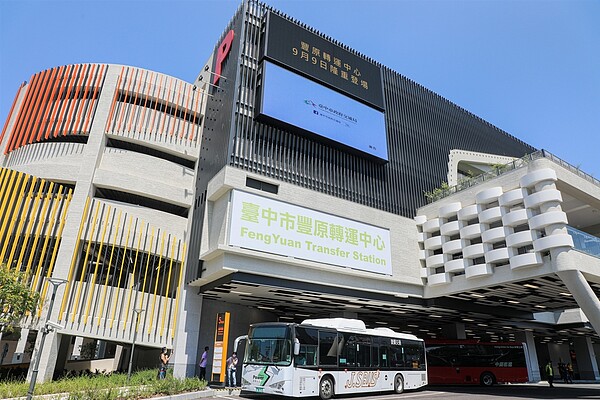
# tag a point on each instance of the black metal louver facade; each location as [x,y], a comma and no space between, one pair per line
[422,128]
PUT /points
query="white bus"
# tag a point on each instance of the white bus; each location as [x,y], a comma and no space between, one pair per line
[325,357]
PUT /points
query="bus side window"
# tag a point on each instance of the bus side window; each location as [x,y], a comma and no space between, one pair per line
[307,355]
[414,353]
[328,348]
[383,357]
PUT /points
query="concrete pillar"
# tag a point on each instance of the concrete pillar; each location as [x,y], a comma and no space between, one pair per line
[187,334]
[533,365]
[19,354]
[63,353]
[76,353]
[48,356]
[581,291]
[117,360]
[586,358]
[454,331]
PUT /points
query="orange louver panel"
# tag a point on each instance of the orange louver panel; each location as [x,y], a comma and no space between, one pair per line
[54,104]
[148,107]
[12,108]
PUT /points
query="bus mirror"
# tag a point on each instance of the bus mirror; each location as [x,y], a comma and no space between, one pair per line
[296,347]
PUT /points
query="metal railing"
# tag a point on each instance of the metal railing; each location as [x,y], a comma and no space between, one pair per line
[465,183]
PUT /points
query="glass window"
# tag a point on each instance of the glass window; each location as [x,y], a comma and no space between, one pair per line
[309,340]
[269,345]
[328,348]
[414,355]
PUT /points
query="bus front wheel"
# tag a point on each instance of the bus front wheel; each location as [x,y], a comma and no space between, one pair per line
[398,384]
[326,388]
[487,379]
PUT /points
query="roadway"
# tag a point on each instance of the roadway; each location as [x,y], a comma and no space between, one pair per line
[541,390]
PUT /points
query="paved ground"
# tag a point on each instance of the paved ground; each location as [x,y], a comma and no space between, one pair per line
[575,391]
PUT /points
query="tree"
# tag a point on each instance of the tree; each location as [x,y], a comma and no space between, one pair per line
[16,297]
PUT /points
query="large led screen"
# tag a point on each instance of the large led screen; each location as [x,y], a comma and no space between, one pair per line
[297,101]
[297,48]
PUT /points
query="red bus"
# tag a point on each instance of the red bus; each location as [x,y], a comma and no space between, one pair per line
[473,362]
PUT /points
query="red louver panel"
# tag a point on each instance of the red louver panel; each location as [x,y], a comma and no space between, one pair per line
[12,108]
[36,130]
[45,118]
[55,102]
[17,128]
[146,107]
[58,103]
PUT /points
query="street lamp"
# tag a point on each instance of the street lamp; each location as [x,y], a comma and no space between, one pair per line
[136,312]
[49,326]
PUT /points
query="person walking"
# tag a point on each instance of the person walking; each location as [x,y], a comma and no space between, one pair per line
[164,361]
[550,373]
[562,371]
[231,370]
[202,364]
[570,372]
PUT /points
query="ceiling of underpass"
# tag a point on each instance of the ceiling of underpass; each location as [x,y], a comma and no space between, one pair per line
[494,313]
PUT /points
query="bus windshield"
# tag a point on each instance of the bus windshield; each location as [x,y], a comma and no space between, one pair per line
[269,345]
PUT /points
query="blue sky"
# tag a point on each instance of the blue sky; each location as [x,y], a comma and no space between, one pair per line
[530,67]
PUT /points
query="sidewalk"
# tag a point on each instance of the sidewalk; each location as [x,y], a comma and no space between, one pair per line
[556,382]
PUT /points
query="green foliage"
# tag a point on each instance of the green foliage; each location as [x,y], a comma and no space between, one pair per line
[143,384]
[499,168]
[436,193]
[88,351]
[16,298]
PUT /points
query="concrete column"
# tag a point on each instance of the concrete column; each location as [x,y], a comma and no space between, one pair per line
[63,352]
[586,358]
[117,360]
[19,354]
[187,333]
[76,353]
[581,291]
[454,331]
[48,356]
[533,365]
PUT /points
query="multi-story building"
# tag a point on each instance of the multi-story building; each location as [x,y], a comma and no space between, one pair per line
[293,178]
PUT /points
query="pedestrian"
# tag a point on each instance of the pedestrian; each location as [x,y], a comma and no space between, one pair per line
[231,369]
[570,372]
[202,364]
[550,373]
[562,371]
[164,361]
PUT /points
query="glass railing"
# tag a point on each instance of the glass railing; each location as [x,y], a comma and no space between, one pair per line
[585,242]
[466,183]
